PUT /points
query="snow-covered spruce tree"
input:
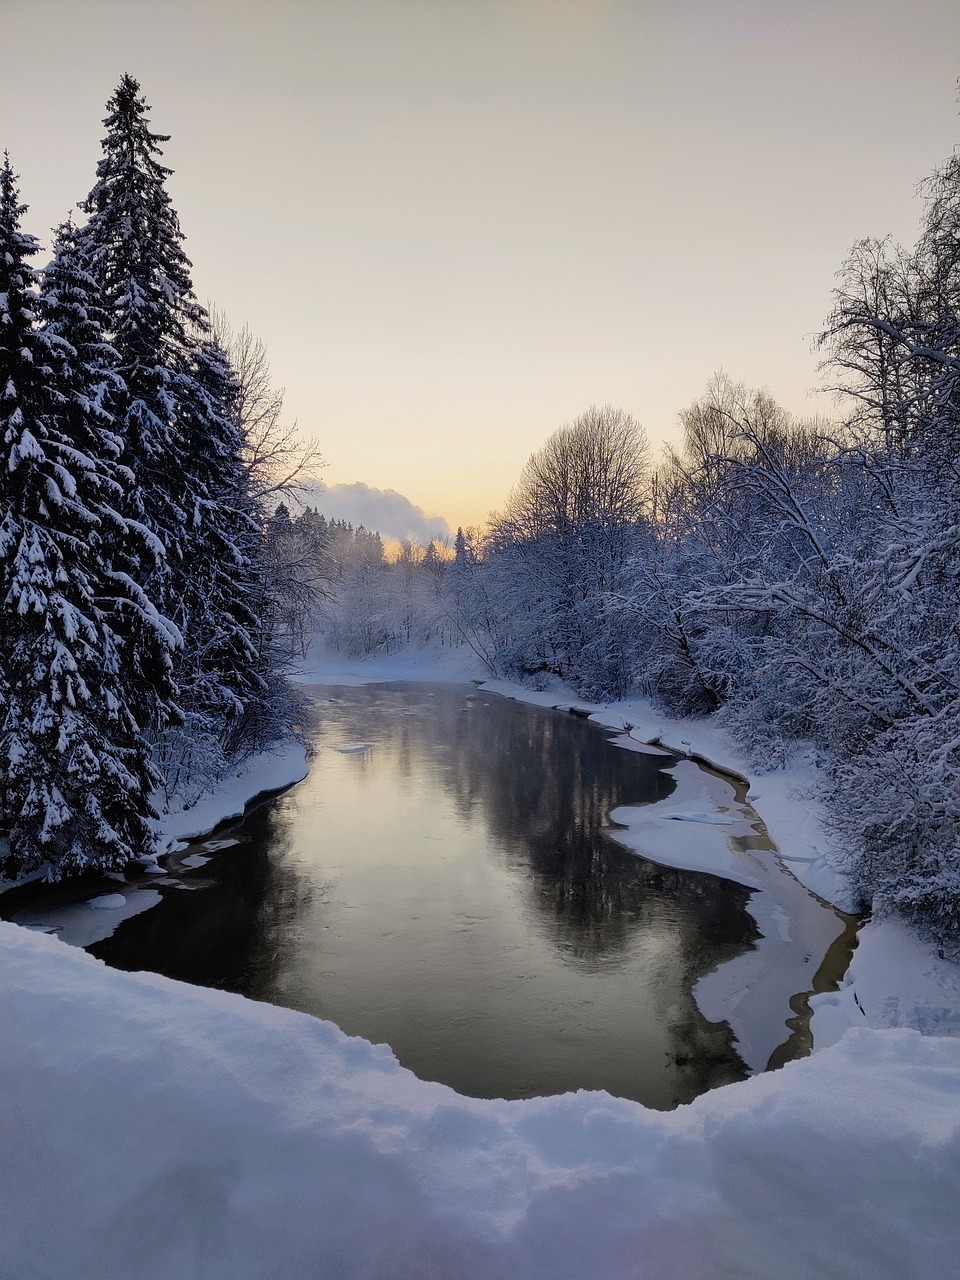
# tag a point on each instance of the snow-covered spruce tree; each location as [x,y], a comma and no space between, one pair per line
[222,686]
[75,771]
[132,243]
[179,422]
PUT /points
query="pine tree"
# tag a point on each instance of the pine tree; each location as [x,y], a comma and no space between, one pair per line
[75,769]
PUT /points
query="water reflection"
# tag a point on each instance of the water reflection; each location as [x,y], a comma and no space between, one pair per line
[452,892]
[227,924]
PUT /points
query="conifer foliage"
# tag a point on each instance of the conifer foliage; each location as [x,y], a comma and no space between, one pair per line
[75,770]
[133,597]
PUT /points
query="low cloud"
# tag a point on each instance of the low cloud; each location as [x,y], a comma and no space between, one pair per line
[384,510]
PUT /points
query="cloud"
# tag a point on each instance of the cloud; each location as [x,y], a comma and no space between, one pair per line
[390,513]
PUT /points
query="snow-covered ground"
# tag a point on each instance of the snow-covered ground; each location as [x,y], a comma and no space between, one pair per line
[259,775]
[165,1132]
[161,1131]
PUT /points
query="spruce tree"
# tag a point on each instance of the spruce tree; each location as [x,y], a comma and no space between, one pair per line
[134,244]
[221,549]
[75,769]
[178,415]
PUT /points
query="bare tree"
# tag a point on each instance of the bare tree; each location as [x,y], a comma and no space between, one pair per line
[591,472]
[560,546]
[279,461]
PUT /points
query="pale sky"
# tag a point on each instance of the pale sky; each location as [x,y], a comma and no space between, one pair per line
[458,223]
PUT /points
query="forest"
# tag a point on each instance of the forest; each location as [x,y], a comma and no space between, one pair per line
[797,578]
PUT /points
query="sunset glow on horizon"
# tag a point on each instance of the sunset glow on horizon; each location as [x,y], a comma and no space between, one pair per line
[457,225]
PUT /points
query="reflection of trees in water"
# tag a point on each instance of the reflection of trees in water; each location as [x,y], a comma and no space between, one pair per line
[235,928]
[546,784]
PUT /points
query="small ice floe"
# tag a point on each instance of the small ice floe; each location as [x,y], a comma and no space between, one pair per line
[713,819]
[85,922]
[108,901]
[352,748]
[471,697]
[194,860]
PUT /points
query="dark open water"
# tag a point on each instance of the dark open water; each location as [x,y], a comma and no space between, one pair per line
[451,891]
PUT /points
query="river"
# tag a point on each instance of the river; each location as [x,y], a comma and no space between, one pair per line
[447,881]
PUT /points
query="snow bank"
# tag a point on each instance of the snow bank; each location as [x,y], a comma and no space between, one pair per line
[81,924]
[261,774]
[895,980]
[162,1131]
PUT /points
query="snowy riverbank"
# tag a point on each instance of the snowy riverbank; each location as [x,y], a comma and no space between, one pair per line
[171,1132]
[259,775]
[85,921]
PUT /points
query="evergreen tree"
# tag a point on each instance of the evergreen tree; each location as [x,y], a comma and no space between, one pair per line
[177,415]
[134,246]
[222,551]
[75,769]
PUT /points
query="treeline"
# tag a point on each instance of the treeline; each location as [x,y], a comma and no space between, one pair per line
[137,605]
[799,578]
[342,584]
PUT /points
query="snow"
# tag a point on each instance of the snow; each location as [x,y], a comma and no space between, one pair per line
[876,994]
[108,901]
[260,775]
[173,1132]
[81,924]
[753,991]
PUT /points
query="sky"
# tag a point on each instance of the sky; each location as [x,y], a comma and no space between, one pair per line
[456,224]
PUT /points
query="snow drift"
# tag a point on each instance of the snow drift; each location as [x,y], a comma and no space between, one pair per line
[165,1131]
